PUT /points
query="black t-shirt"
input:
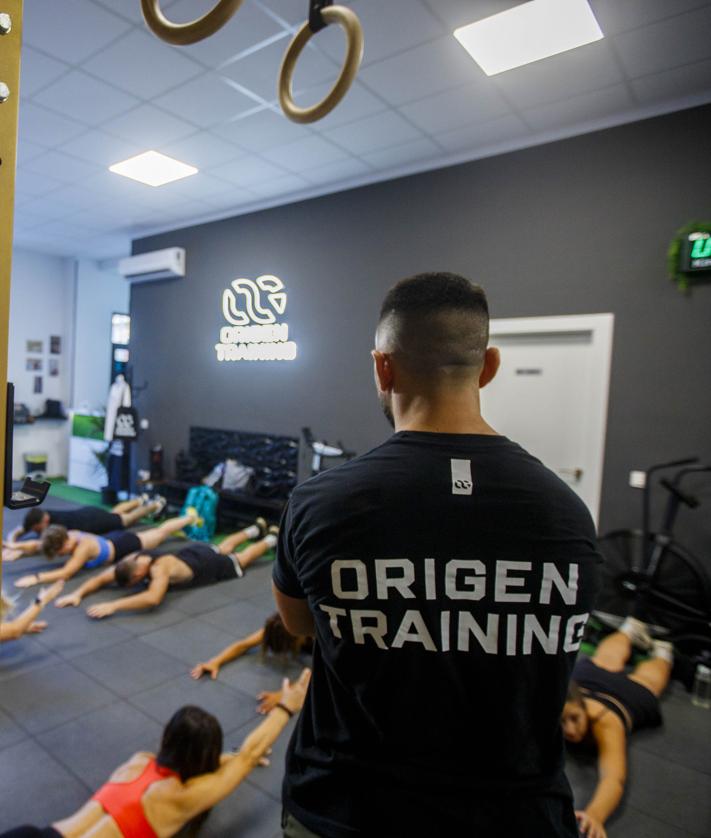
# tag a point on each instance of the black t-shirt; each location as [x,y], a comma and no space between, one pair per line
[450,577]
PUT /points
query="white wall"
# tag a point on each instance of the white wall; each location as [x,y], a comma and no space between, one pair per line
[100,292]
[41,305]
[53,295]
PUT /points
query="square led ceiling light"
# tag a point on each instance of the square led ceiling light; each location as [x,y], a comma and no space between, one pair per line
[528,33]
[153,168]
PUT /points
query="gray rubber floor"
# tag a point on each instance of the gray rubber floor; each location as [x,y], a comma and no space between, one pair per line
[83,696]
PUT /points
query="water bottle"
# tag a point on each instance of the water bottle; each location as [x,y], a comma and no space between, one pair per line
[701,694]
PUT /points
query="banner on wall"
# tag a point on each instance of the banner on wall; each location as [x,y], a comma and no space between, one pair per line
[252,308]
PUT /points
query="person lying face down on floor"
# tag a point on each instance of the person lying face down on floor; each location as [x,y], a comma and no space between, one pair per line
[272,638]
[190,567]
[27,622]
[27,539]
[90,551]
[604,705]
[157,795]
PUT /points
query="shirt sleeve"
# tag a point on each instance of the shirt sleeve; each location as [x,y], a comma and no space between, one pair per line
[284,572]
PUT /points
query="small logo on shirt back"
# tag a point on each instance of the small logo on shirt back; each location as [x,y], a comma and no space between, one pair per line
[462,483]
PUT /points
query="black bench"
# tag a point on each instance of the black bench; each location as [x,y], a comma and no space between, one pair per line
[274,460]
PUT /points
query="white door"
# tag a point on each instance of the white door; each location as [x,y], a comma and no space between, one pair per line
[551,392]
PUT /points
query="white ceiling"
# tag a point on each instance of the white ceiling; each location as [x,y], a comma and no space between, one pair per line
[97,87]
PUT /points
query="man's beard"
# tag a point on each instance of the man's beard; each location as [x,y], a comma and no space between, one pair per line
[387,410]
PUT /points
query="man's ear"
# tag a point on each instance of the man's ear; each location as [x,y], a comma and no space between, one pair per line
[383,370]
[492,361]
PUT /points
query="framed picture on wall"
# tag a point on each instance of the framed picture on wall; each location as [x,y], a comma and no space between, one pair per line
[55,345]
[34,364]
[34,346]
[53,367]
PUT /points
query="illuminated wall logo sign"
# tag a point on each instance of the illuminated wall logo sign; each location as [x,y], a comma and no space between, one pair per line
[251,307]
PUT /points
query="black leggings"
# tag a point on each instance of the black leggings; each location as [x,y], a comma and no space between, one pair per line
[32,832]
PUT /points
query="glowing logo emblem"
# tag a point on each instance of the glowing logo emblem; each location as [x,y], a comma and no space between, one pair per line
[251,307]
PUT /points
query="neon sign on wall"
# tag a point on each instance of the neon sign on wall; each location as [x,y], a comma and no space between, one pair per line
[251,307]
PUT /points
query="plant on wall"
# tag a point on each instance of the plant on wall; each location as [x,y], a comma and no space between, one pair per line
[678,262]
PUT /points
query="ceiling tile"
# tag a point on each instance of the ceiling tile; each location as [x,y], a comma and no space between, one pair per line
[402,155]
[445,111]
[85,98]
[477,135]
[387,28]
[64,229]
[148,127]
[357,103]
[614,16]
[38,125]
[38,70]
[44,209]
[670,43]
[200,187]
[101,148]
[305,154]
[259,70]
[338,171]
[27,151]
[374,132]
[231,200]
[62,167]
[130,9]
[247,171]
[248,27]
[591,67]
[202,150]
[421,71]
[672,84]
[292,12]
[76,198]
[71,30]
[284,185]
[589,106]
[455,13]
[142,65]
[205,101]
[261,131]
[31,183]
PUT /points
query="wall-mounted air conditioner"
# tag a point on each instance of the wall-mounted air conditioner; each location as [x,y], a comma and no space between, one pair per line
[160,264]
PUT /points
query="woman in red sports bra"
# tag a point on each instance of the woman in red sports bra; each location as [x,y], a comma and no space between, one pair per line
[156,796]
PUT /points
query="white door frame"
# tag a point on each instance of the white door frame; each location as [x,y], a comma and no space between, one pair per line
[600,327]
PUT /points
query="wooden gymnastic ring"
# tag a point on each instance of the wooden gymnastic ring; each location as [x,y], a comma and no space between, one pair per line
[354,54]
[182,34]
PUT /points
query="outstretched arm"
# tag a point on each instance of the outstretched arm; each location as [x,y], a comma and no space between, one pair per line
[24,548]
[100,580]
[231,653]
[79,558]
[136,602]
[203,792]
[13,629]
[612,767]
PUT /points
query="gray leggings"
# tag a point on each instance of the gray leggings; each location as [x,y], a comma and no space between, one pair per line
[293,829]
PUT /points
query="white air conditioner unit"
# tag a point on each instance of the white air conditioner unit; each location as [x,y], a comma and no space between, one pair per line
[160,264]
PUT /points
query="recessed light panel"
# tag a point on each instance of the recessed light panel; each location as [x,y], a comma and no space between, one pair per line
[153,168]
[528,33]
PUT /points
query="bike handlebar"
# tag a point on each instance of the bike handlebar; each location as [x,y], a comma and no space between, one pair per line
[683,497]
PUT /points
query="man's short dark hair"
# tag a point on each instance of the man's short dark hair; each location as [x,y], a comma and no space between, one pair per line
[124,572]
[32,518]
[435,322]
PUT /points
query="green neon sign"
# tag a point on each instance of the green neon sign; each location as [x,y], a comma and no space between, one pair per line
[701,249]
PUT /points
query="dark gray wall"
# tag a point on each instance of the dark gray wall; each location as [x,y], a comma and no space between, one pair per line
[577,226]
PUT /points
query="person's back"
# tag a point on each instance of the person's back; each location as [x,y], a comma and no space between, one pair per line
[450,576]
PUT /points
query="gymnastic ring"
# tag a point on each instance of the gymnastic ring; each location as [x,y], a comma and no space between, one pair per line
[182,34]
[354,54]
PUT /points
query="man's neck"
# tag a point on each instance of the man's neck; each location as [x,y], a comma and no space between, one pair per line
[444,415]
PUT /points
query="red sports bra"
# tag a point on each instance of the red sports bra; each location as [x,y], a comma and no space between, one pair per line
[123,801]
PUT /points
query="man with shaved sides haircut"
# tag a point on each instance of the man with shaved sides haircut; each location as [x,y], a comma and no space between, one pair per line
[447,576]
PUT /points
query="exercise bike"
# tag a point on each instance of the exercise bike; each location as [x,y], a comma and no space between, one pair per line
[651,573]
